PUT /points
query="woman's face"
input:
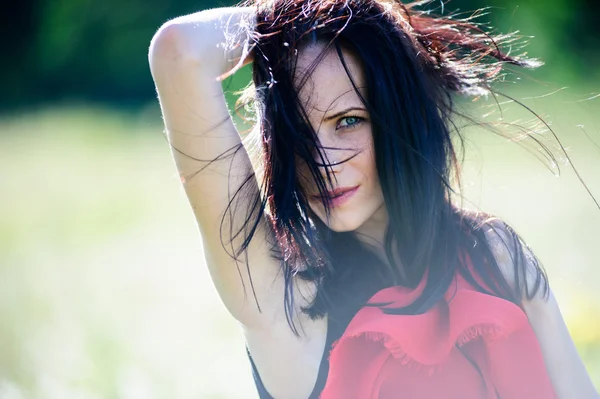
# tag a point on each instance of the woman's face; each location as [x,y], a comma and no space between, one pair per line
[343,129]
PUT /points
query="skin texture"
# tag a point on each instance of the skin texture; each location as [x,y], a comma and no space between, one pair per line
[342,124]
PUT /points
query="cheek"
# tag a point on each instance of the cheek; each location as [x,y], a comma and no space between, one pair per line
[365,164]
[305,179]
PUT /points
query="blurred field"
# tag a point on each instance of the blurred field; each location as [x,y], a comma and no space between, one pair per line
[103,290]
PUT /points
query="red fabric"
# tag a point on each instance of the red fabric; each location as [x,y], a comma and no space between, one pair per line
[470,346]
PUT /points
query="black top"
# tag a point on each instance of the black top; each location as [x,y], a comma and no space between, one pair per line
[334,331]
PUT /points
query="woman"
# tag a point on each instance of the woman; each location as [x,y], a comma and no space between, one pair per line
[344,257]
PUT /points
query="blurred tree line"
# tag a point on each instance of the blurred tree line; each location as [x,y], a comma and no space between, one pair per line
[97,50]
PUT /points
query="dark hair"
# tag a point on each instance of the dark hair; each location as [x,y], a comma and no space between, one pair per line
[414,65]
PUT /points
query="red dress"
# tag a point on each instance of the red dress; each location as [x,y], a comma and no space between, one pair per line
[470,346]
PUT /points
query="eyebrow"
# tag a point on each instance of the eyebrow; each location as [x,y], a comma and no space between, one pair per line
[342,112]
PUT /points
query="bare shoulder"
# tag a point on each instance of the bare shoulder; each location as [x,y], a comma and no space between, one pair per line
[516,261]
[523,271]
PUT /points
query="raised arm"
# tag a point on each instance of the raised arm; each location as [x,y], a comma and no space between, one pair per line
[186,56]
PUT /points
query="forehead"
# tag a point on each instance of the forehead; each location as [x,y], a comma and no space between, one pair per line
[326,86]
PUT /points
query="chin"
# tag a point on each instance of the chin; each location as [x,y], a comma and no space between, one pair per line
[344,221]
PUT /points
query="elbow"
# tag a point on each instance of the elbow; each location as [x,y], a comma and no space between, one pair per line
[176,44]
[167,46]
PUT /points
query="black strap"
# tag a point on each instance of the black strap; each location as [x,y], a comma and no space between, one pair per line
[321,376]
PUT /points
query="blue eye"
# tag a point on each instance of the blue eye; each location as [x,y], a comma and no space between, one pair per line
[349,121]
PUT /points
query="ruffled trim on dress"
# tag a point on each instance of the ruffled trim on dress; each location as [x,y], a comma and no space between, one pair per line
[432,341]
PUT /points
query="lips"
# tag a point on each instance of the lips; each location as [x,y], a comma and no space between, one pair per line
[338,192]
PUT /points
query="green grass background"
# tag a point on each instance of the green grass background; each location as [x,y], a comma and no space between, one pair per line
[103,288]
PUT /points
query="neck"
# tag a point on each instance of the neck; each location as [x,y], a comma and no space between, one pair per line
[372,232]
[372,235]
